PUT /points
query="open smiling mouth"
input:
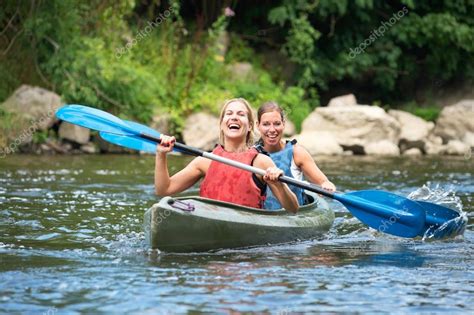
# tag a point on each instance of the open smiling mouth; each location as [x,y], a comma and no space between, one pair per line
[234,127]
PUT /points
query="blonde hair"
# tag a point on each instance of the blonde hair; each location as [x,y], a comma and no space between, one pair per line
[250,135]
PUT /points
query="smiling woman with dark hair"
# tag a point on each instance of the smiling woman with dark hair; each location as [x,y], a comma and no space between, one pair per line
[292,158]
[221,181]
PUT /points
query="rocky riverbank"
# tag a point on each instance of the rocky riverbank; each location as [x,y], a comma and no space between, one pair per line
[341,128]
[345,127]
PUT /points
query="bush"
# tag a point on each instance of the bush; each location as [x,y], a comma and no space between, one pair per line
[430,113]
[165,71]
[100,54]
[351,42]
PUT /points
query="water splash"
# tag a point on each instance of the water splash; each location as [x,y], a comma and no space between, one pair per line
[445,197]
[439,195]
[126,245]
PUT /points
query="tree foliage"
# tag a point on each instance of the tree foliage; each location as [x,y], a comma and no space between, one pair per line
[136,58]
[427,41]
[99,53]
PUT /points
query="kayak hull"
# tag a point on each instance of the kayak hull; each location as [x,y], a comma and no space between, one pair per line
[170,226]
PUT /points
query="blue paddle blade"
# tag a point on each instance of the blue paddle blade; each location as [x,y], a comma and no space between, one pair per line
[385,212]
[139,128]
[135,142]
[111,128]
[131,142]
[93,118]
[441,222]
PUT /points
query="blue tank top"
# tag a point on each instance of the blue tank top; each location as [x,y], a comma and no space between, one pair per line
[283,160]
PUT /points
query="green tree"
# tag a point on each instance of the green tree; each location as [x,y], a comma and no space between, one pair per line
[417,43]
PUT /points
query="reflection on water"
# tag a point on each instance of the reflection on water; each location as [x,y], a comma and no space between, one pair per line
[72,241]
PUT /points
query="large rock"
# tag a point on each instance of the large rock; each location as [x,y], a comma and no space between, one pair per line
[28,110]
[432,148]
[344,100]
[469,139]
[456,147]
[290,129]
[413,152]
[34,105]
[354,126]
[455,121]
[89,148]
[161,122]
[319,143]
[435,139]
[74,133]
[414,130]
[434,145]
[383,147]
[201,131]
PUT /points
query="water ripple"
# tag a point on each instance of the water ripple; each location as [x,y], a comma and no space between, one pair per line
[72,241]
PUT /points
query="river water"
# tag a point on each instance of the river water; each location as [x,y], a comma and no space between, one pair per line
[71,241]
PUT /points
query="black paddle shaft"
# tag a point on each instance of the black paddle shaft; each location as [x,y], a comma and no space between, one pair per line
[197,152]
[182,147]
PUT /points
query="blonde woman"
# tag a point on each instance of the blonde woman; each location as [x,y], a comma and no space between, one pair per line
[221,181]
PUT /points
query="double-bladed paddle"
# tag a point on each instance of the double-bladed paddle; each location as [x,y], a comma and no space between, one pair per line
[383,211]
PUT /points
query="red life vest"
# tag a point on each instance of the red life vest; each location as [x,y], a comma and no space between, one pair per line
[230,184]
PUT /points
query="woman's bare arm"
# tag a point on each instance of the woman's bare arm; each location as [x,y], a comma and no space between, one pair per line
[188,176]
[311,171]
[184,179]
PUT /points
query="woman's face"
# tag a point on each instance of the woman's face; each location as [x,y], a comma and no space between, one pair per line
[235,122]
[271,127]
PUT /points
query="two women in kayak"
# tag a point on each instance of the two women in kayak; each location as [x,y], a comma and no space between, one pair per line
[223,182]
[227,183]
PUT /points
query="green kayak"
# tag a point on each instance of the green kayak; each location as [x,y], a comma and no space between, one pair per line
[192,224]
